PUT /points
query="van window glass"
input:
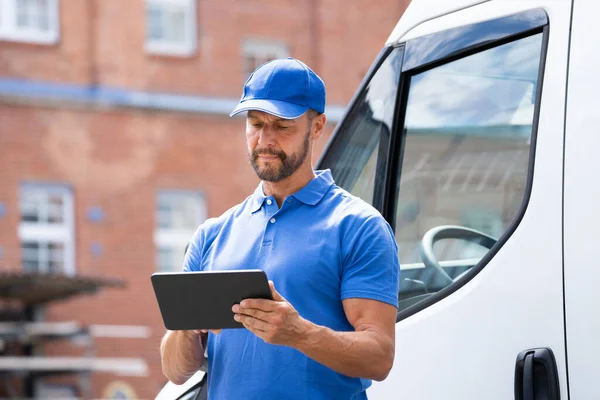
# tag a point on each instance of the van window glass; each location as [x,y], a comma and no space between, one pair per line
[465,162]
[356,148]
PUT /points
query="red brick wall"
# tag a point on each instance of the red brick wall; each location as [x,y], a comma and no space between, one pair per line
[117,159]
[102,42]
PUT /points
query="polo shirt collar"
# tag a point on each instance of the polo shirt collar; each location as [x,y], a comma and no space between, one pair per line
[314,191]
[310,194]
[258,198]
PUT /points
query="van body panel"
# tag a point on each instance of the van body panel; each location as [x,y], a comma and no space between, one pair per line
[418,12]
[581,202]
[471,15]
[465,345]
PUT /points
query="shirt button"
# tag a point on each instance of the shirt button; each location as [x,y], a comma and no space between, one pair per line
[269,202]
[272,220]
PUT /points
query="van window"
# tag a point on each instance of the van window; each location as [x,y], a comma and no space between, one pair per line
[465,161]
[369,123]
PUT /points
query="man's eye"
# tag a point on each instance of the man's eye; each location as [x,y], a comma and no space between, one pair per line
[285,128]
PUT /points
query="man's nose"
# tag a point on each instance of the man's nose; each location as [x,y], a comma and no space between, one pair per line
[266,136]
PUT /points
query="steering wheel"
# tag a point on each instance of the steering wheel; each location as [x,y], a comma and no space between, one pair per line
[450,232]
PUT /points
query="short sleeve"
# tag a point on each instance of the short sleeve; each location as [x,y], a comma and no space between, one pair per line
[371,269]
[193,255]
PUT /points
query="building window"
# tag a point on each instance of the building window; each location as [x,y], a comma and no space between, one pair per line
[178,215]
[171,27]
[256,52]
[33,21]
[46,229]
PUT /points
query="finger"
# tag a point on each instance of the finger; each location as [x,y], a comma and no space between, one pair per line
[253,312]
[275,293]
[259,304]
[215,331]
[251,322]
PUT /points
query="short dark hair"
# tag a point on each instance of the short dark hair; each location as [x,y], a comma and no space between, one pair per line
[311,115]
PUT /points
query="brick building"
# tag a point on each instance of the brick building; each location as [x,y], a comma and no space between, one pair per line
[115,140]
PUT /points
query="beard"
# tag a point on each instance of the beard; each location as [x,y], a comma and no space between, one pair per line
[289,164]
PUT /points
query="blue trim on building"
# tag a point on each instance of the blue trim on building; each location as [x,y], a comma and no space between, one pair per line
[116,97]
[96,249]
[95,214]
[48,185]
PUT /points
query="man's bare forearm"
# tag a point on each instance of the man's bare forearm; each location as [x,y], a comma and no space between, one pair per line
[181,354]
[366,354]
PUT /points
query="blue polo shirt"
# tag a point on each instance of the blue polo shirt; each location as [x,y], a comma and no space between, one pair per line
[322,246]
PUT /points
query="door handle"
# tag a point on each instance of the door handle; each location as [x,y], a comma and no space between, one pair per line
[536,376]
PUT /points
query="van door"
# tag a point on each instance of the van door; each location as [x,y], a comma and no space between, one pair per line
[582,197]
[470,178]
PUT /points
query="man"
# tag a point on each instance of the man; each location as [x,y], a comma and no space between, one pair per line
[330,257]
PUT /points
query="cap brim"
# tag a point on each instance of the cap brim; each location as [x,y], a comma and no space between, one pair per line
[278,108]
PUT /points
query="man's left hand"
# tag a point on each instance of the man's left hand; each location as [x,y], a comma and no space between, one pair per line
[274,321]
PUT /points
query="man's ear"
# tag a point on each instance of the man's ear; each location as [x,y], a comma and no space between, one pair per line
[318,126]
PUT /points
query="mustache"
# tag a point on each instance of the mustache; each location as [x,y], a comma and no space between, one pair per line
[268,152]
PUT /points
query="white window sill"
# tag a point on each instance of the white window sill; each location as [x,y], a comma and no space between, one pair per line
[167,49]
[43,232]
[30,37]
[172,238]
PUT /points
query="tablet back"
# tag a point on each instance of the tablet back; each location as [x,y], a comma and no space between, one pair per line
[203,300]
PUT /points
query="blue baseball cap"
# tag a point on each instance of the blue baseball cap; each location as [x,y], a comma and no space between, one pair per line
[286,88]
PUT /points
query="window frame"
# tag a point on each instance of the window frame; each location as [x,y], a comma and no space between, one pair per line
[44,232]
[162,47]
[338,140]
[261,48]
[423,54]
[9,31]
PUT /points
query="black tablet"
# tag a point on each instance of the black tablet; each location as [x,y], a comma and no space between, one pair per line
[203,300]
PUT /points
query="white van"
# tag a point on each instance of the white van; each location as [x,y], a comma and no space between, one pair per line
[476,133]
